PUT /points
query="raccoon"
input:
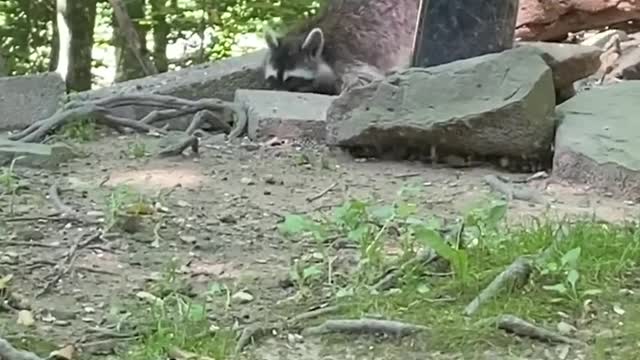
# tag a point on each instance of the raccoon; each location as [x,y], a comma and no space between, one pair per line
[348,44]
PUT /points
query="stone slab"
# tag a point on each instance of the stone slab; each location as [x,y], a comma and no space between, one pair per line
[598,139]
[569,62]
[494,105]
[286,115]
[27,99]
[34,155]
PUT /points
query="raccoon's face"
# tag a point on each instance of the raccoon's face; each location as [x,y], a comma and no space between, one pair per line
[296,64]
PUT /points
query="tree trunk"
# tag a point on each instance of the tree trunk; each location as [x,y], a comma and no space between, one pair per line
[130,40]
[75,23]
[161,30]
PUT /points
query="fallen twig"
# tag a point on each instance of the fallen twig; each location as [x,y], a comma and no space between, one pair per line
[521,327]
[515,274]
[180,146]
[67,263]
[8,352]
[54,195]
[247,336]
[27,243]
[513,191]
[371,326]
[388,281]
[322,193]
[313,314]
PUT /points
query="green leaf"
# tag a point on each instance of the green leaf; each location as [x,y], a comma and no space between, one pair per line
[311,271]
[592,292]
[571,257]
[560,288]
[358,234]
[432,239]
[295,224]
[572,277]
[496,213]
[197,312]
[406,209]
[383,213]
[344,292]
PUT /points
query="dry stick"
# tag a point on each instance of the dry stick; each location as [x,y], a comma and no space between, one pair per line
[371,326]
[322,193]
[67,212]
[513,191]
[68,260]
[516,273]
[521,327]
[248,334]
[54,195]
[27,243]
[179,147]
[389,280]
[314,314]
[8,352]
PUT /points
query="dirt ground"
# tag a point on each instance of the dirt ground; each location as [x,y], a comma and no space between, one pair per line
[222,209]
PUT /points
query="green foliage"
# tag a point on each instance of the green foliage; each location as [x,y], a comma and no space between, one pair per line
[27,27]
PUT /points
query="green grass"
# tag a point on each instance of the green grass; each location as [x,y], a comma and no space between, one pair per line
[588,262]
[591,269]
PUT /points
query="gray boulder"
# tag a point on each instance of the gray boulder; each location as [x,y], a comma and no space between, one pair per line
[218,79]
[492,106]
[569,63]
[29,98]
[35,155]
[598,139]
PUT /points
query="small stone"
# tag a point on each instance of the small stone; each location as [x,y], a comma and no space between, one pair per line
[565,328]
[25,318]
[242,297]
[247,181]
[95,213]
[183,204]
[269,179]
[189,239]
[30,235]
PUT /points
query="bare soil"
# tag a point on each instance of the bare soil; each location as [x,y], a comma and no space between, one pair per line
[222,208]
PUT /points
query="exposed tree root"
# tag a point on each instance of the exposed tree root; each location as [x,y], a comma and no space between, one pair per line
[364,326]
[313,314]
[8,352]
[248,335]
[179,147]
[219,114]
[520,327]
[515,275]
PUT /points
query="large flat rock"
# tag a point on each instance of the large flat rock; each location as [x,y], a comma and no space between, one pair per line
[496,105]
[34,155]
[285,115]
[598,139]
[27,99]
[218,79]
[215,79]
[569,62]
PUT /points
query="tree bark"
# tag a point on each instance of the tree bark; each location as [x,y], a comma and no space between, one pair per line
[161,30]
[75,22]
[130,41]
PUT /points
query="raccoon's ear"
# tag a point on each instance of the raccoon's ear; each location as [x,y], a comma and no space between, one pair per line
[314,42]
[271,38]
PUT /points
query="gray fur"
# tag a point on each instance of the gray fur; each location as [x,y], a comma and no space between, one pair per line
[348,44]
